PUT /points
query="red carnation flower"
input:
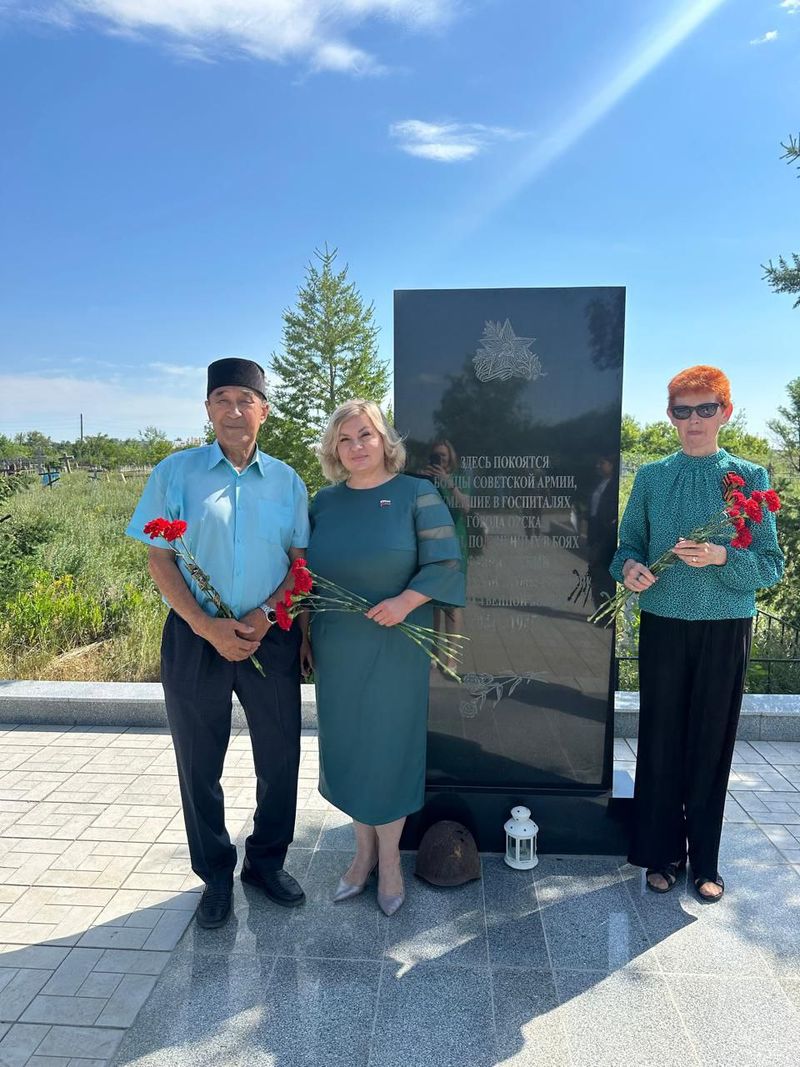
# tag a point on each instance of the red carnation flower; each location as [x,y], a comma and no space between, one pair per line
[772,500]
[174,530]
[734,511]
[303,582]
[287,599]
[155,528]
[743,539]
[284,618]
[299,565]
[731,483]
[757,495]
[753,510]
[738,499]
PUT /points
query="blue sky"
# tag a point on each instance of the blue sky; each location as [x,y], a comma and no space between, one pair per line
[168,167]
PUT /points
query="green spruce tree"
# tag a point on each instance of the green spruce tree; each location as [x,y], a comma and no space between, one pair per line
[784,276]
[329,355]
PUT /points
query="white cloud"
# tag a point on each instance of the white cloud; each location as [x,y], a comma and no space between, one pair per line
[191,53]
[179,370]
[770,35]
[342,57]
[315,31]
[449,142]
[792,6]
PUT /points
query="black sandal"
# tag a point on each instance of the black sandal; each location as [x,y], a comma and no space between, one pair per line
[669,874]
[709,898]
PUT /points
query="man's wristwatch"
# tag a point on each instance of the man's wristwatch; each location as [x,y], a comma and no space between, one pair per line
[269,613]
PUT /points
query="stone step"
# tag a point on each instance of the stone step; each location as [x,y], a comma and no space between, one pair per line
[765,717]
[106,704]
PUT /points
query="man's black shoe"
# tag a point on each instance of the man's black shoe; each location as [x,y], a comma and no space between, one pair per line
[215,904]
[279,886]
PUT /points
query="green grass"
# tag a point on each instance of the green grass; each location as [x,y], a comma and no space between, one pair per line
[77,600]
[782,675]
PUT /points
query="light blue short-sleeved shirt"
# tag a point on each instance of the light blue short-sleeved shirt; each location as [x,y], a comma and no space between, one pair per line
[240,526]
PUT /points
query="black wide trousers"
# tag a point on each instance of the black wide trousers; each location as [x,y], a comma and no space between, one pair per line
[691,679]
[198,687]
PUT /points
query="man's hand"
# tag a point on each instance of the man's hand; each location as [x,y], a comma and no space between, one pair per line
[257,621]
[637,577]
[232,638]
[700,553]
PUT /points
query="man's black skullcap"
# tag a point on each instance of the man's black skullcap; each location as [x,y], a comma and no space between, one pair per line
[242,372]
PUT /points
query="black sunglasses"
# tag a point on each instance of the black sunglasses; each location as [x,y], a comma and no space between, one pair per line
[705,411]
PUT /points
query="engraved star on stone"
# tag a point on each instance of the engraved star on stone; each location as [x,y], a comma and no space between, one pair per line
[503,355]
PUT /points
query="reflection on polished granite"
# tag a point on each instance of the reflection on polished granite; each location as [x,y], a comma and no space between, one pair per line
[537,707]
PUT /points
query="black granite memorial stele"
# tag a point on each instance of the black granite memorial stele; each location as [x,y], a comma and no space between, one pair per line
[510,400]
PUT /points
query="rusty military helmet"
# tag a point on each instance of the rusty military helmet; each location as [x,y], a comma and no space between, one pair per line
[448,855]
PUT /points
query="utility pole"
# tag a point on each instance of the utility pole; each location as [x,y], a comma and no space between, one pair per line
[81,427]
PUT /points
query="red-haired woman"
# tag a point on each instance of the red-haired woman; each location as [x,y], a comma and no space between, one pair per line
[694,638]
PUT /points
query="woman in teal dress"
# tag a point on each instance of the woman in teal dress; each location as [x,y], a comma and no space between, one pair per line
[389,538]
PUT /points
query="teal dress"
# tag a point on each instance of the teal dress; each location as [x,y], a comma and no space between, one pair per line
[371,680]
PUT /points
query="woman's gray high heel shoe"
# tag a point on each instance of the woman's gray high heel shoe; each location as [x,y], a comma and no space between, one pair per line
[389,903]
[346,890]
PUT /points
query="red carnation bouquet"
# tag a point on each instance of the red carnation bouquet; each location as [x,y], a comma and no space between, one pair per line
[172,533]
[313,593]
[739,510]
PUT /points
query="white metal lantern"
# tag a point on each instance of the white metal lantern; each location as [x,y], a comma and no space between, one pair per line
[521,833]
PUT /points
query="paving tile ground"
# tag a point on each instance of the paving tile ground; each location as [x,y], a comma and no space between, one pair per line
[574,963]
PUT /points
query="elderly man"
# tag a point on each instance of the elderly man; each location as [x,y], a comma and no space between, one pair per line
[247,517]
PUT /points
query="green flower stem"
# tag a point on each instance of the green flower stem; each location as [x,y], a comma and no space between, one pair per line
[204,582]
[322,605]
[609,612]
[432,655]
[354,598]
[340,599]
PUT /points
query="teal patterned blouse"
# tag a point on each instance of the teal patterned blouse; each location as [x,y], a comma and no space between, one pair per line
[669,499]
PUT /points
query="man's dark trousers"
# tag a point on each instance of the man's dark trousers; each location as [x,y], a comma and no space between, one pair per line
[198,687]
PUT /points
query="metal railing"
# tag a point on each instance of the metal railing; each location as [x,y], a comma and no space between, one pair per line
[766,629]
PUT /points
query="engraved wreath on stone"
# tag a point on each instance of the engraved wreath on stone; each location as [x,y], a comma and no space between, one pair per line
[503,355]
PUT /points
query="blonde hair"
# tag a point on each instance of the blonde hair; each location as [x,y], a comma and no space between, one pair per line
[393,448]
[452,455]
